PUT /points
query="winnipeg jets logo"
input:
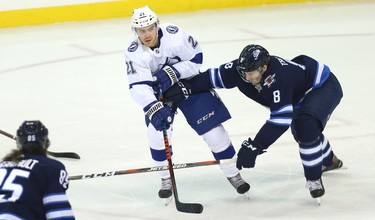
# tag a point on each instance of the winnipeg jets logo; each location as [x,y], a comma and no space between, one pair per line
[256,54]
[269,80]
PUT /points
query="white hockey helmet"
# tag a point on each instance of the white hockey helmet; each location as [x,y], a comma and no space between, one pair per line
[143,17]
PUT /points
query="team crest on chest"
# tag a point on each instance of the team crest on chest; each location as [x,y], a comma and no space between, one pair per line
[269,80]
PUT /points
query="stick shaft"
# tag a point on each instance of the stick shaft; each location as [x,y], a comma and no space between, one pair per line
[7,134]
[151,169]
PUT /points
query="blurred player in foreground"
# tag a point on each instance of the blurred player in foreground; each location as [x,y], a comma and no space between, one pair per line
[33,186]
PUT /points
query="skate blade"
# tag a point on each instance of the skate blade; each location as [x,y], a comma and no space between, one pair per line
[247,195]
[167,201]
[342,168]
[319,201]
[337,169]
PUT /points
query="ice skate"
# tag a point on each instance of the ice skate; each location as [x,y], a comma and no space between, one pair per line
[165,191]
[240,185]
[316,189]
[336,164]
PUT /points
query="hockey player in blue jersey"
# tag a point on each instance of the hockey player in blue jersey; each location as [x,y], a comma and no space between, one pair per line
[301,94]
[158,57]
[32,186]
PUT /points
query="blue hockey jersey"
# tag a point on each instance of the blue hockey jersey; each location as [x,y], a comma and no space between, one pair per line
[34,188]
[282,89]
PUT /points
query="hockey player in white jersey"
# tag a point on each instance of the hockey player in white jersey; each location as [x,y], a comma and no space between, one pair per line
[157,58]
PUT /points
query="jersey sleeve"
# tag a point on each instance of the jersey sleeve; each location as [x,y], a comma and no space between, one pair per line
[317,72]
[55,200]
[139,78]
[226,76]
[269,133]
[214,78]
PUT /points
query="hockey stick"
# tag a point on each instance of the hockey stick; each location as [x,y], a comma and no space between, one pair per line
[152,169]
[182,207]
[195,208]
[54,154]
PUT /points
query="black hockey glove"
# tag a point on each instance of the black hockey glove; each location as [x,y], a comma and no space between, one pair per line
[248,153]
[161,117]
[177,93]
[166,77]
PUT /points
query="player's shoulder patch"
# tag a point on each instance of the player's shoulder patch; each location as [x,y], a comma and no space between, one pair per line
[269,80]
[172,29]
[133,47]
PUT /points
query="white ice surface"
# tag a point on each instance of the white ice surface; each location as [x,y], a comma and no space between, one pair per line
[71,76]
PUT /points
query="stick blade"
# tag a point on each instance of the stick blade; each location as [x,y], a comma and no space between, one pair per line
[64,154]
[193,208]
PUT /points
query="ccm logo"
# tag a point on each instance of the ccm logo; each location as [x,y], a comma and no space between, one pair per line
[204,118]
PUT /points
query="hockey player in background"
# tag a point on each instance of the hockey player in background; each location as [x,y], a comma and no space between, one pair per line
[301,94]
[33,186]
[157,58]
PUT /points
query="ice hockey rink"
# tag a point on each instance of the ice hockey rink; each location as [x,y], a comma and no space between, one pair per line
[72,77]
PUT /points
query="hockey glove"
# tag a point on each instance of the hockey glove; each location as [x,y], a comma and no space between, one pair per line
[248,153]
[166,77]
[161,117]
[177,93]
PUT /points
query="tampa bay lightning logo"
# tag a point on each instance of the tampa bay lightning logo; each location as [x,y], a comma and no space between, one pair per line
[172,29]
[133,47]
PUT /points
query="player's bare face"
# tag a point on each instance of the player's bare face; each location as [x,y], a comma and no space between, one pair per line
[148,35]
[254,77]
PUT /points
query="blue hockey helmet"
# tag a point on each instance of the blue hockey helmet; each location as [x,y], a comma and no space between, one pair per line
[251,58]
[32,134]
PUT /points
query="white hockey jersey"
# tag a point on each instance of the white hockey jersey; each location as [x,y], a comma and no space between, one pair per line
[176,48]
